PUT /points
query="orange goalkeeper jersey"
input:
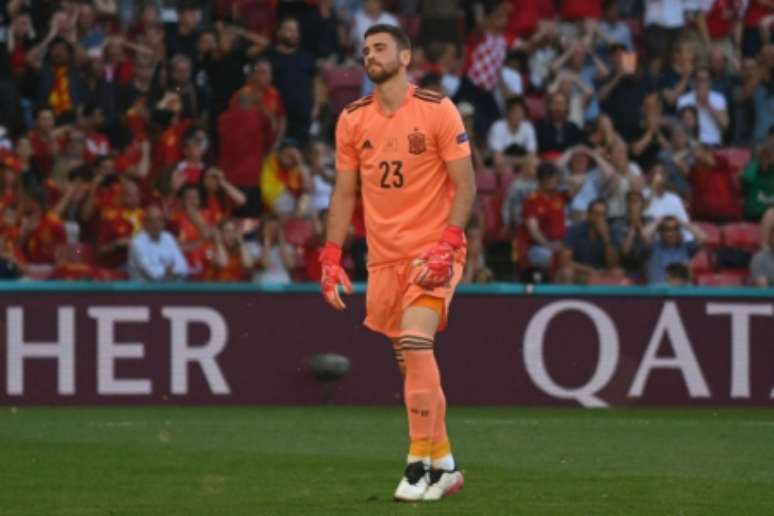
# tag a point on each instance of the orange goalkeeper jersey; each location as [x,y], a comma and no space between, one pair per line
[407,192]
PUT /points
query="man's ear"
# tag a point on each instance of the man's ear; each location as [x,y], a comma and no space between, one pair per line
[405,56]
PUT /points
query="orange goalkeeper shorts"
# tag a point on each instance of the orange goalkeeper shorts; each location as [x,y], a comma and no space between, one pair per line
[391,289]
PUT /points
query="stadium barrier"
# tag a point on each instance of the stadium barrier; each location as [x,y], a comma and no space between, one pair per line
[124,343]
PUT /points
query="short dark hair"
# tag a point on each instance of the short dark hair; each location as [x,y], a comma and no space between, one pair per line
[400,37]
[546,171]
[516,100]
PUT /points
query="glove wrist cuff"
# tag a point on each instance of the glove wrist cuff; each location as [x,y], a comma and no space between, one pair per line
[330,252]
[454,236]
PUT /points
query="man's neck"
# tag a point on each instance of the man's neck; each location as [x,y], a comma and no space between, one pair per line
[285,49]
[390,94]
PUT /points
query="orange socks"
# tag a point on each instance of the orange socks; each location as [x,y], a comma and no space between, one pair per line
[425,402]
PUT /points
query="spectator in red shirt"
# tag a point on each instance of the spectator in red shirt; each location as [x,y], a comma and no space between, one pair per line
[220,196]
[41,231]
[544,219]
[264,97]
[45,141]
[119,224]
[245,138]
[190,170]
[231,260]
[194,229]
[90,121]
[168,148]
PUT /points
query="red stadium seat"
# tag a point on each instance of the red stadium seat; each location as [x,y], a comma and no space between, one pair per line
[701,263]
[742,235]
[713,232]
[344,85]
[298,231]
[536,106]
[720,279]
[737,157]
[493,220]
[486,180]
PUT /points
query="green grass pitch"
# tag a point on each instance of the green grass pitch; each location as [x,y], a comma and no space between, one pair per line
[347,460]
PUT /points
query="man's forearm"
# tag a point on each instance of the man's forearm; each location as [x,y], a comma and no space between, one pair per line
[462,204]
[340,216]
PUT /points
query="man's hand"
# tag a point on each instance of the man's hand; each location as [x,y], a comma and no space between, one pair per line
[436,265]
[332,275]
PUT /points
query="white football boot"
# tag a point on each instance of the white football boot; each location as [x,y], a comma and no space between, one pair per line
[414,483]
[443,483]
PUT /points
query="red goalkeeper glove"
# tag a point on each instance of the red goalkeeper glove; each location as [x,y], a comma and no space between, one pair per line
[436,265]
[333,275]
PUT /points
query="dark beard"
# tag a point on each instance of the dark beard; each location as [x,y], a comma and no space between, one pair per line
[383,74]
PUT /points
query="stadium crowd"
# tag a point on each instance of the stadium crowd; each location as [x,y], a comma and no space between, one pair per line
[614,142]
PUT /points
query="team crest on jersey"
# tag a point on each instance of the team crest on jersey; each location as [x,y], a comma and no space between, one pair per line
[417,142]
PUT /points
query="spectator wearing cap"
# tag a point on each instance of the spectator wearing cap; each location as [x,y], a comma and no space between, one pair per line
[588,248]
[231,259]
[711,107]
[512,140]
[556,132]
[154,254]
[669,246]
[284,177]
[294,72]
[486,54]
[544,219]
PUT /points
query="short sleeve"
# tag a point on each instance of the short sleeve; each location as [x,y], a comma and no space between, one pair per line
[346,153]
[530,209]
[453,141]
[531,143]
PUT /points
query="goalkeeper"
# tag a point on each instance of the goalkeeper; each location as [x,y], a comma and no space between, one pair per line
[406,149]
